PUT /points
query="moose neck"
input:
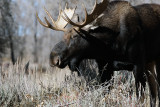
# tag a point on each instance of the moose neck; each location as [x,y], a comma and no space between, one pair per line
[102,41]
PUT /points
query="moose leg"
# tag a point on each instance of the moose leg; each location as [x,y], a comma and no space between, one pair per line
[106,71]
[118,65]
[158,78]
[151,76]
[139,81]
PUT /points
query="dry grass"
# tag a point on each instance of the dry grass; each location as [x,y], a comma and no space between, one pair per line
[60,88]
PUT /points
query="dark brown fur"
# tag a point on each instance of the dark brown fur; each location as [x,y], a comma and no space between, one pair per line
[124,33]
[138,40]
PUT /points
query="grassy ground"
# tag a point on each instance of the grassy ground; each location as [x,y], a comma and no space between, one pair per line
[61,88]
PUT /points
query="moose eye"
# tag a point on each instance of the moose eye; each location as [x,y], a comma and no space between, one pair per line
[74,36]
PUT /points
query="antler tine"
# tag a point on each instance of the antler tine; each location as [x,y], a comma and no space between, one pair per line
[66,18]
[49,16]
[97,10]
[59,25]
[61,22]
[49,25]
[40,21]
[95,3]
[86,13]
[68,14]
[58,28]
[66,6]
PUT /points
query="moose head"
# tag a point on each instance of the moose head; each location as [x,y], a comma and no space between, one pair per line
[78,43]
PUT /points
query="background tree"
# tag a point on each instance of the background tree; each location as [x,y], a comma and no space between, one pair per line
[7,27]
[19,27]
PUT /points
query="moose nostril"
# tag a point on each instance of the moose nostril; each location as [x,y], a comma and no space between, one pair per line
[56,60]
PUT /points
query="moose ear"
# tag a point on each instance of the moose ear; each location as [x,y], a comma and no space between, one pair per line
[85,35]
[80,34]
[93,39]
[90,38]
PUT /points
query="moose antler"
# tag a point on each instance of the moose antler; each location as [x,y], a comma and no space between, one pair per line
[60,24]
[97,10]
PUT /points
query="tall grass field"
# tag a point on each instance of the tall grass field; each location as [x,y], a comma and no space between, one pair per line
[36,86]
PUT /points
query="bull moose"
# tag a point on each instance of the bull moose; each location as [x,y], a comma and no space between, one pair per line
[114,31]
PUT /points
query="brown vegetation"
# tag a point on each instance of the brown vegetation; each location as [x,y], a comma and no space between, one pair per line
[56,88]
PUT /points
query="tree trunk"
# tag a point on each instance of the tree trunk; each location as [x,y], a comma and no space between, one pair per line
[35,40]
[12,49]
